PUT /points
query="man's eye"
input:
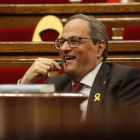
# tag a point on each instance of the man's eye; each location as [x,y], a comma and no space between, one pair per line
[74,40]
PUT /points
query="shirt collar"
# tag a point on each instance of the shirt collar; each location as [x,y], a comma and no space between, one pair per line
[90,77]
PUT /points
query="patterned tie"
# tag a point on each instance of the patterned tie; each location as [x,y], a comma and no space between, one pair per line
[77,87]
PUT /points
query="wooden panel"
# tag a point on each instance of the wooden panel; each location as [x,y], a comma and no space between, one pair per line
[117,33]
[120,22]
[124,46]
[23,54]
[31,21]
[48,47]
[117,24]
[28,47]
[116,16]
[70,8]
[29,15]
[129,59]
[19,20]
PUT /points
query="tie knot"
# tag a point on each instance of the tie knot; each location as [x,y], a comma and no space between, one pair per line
[77,87]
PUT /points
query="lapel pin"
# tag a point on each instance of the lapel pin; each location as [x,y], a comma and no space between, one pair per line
[97,97]
[104,82]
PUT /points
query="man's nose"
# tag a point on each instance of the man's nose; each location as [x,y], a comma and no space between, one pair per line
[65,46]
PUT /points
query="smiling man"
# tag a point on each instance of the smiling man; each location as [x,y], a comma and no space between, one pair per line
[113,90]
[81,55]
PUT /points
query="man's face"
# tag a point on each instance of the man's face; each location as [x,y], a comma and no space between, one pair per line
[80,60]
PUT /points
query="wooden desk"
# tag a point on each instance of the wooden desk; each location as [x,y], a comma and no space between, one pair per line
[33,116]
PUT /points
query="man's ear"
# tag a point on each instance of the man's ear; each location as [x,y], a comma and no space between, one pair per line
[101,48]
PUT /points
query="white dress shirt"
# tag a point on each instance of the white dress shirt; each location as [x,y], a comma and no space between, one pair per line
[88,81]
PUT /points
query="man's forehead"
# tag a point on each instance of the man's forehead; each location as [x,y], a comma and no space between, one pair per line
[76,26]
[77,21]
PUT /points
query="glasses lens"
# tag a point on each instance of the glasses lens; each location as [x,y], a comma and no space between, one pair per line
[73,41]
[59,43]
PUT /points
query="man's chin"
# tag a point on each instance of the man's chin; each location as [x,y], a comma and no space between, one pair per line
[68,71]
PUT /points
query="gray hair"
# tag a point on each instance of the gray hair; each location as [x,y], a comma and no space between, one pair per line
[97,31]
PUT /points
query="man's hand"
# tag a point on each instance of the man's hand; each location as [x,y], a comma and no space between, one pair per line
[38,70]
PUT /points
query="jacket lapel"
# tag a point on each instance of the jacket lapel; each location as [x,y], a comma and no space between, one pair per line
[97,93]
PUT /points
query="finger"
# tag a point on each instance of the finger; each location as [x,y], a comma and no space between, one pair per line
[44,60]
[56,65]
[42,71]
[52,64]
[48,62]
[49,67]
[43,66]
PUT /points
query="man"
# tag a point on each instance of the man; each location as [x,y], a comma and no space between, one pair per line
[113,90]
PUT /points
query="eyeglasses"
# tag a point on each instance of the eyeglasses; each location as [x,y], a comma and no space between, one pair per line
[73,42]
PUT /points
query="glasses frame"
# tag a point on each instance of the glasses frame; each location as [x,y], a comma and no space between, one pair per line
[80,38]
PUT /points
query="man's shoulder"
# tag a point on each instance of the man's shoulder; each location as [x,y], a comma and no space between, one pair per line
[119,71]
[120,67]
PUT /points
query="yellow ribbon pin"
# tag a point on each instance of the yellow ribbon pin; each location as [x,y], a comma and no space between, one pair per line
[97,97]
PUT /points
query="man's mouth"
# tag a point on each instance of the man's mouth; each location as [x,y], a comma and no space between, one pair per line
[70,57]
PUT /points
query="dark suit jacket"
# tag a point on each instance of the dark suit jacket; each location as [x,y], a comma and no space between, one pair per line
[119,105]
